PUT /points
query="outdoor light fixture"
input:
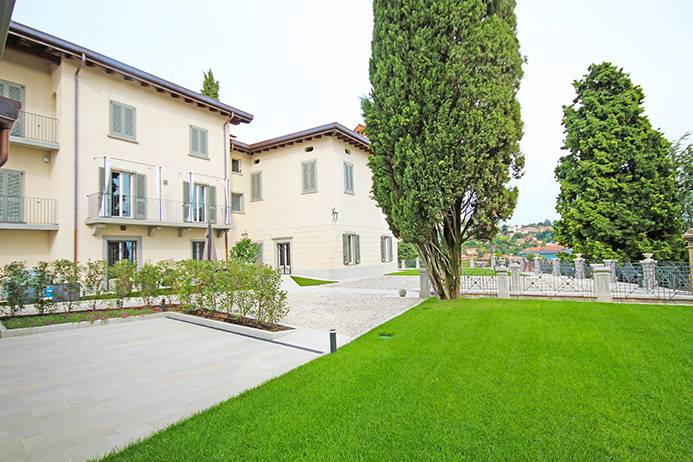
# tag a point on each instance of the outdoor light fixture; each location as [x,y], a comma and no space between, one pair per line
[335,214]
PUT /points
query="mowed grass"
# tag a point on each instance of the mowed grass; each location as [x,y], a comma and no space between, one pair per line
[464,272]
[16,322]
[301,281]
[477,379]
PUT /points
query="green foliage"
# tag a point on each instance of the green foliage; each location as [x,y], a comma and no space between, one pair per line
[444,124]
[467,380]
[66,273]
[191,283]
[305,282]
[167,268]
[618,194]
[245,251]
[681,153]
[94,279]
[148,280]
[15,280]
[210,86]
[123,273]
[41,278]
[406,251]
[271,301]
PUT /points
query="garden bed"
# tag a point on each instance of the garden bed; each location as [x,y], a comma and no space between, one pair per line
[247,322]
[49,319]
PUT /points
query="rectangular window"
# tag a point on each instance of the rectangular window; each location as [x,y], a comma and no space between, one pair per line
[256,186]
[348,178]
[198,248]
[16,92]
[123,121]
[198,142]
[386,249]
[309,173]
[236,165]
[121,250]
[351,247]
[236,202]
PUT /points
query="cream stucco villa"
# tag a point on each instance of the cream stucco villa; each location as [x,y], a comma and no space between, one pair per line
[110,162]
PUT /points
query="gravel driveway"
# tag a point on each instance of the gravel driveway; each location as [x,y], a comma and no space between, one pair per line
[352,307]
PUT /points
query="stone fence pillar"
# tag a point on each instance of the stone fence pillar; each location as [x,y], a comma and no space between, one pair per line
[537,265]
[424,283]
[602,282]
[649,272]
[611,264]
[472,263]
[403,264]
[523,264]
[418,263]
[579,266]
[515,281]
[556,267]
[494,262]
[689,240]
[503,282]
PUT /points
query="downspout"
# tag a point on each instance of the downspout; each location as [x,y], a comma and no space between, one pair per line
[4,144]
[76,164]
[227,153]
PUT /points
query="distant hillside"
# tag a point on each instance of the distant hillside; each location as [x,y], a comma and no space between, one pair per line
[512,239]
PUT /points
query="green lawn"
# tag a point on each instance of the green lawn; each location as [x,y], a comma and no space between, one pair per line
[17,322]
[464,272]
[475,379]
[309,282]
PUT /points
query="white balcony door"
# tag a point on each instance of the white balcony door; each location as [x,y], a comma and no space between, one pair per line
[121,194]
[198,203]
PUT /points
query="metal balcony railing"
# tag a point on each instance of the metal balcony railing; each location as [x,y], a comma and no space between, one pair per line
[152,210]
[36,127]
[28,210]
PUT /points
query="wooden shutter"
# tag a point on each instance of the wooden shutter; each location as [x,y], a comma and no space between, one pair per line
[389,249]
[3,196]
[305,177]
[16,92]
[11,200]
[256,187]
[345,248]
[260,248]
[140,197]
[313,180]
[116,119]
[357,249]
[129,122]
[194,141]
[203,140]
[212,203]
[186,200]
[382,249]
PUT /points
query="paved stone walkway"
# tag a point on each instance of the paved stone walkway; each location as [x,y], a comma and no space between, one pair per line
[74,395]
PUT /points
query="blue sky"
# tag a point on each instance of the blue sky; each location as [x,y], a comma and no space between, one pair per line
[300,63]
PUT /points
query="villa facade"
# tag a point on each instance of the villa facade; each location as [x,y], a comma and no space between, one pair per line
[110,162]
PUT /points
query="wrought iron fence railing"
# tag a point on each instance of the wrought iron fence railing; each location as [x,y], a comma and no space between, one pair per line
[35,127]
[28,210]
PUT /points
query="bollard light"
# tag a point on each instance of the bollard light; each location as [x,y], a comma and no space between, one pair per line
[333,340]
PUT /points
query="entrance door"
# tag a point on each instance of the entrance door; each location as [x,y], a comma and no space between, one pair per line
[284,257]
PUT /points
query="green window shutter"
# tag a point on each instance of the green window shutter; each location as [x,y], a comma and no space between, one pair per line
[304,173]
[129,122]
[357,249]
[16,92]
[313,180]
[12,208]
[382,249]
[389,249]
[116,119]
[212,203]
[3,89]
[194,141]
[140,197]
[345,248]
[203,141]
[256,187]
[3,196]
[186,200]
[101,184]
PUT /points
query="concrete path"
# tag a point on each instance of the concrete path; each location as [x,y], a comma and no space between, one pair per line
[74,395]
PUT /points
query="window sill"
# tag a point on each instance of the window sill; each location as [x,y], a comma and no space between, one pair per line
[237,173]
[199,156]
[309,192]
[122,138]
[255,200]
[351,193]
[238,212]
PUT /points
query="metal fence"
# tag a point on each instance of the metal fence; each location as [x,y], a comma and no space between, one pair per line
[36,127]
[28,210]
[660,281]
[479,285]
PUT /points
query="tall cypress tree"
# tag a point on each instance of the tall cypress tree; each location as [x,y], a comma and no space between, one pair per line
[444,124]
[210,86]
[618,194]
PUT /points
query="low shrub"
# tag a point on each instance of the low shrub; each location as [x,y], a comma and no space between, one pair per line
[41,278]
[123,274]
[245,251]
[94,279]
[66,279]
[148,281]
[15,279]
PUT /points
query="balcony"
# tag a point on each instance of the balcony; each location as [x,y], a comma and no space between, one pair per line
[35,130]
[104,209]
[28,213]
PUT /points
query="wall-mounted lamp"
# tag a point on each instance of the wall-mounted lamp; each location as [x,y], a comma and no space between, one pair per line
[46,158]
[335,214]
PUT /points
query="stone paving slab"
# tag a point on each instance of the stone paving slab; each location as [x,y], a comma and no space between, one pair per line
[74,395]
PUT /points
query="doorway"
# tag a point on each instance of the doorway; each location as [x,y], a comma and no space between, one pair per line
[284,257]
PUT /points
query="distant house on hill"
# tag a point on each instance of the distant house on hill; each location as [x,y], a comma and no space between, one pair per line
[549,251]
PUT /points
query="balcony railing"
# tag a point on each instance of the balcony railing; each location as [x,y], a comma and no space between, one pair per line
[36,127]
[21,210]
[149,210]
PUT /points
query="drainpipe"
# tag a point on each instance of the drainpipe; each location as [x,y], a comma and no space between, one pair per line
[227,153]
[76,164]
[4,145]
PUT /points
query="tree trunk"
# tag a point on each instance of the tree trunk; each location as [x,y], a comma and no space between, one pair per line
[442,254]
